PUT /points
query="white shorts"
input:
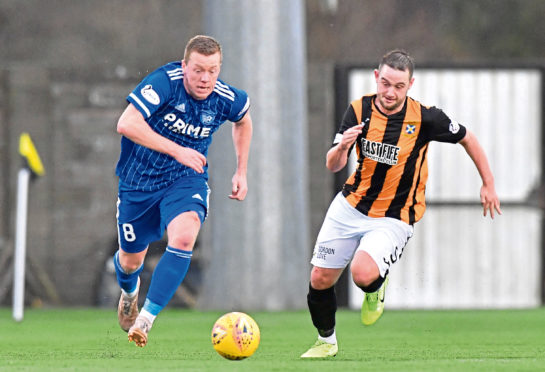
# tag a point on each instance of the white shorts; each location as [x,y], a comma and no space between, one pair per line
[345,230]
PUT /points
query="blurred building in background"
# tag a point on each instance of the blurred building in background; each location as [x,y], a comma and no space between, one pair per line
[68,66]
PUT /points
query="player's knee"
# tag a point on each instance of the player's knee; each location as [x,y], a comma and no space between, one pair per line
[368,279]
[364,276]
[374,286]
[130,263]
[183,231]
[183,240]
[320,279]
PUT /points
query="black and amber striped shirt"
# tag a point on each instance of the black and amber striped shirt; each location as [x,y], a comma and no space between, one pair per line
[391,173]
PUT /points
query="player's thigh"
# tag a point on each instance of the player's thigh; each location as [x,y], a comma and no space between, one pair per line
[183,210]
[364,269]
[334,254]
[138,220]
[384,245]
[335,245]
[329,260]
[184,195]
[182,231]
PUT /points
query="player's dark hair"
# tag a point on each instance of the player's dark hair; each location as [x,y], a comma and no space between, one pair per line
[398,59]
[202,44]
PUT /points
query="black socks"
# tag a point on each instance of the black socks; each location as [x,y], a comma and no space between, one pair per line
[373,287]
[323,306]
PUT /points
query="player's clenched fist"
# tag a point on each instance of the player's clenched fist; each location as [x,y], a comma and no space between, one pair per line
[192,159]
[350,135]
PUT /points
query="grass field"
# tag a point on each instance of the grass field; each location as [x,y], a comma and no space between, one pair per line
[91,340]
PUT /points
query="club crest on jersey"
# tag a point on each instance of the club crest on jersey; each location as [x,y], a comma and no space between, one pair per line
[207,117]
[150,95]
[410,129]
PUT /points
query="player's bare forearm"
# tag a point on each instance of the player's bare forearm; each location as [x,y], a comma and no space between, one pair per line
[132,125]
[337,156]
[242,137]
[477,154]
[488,195]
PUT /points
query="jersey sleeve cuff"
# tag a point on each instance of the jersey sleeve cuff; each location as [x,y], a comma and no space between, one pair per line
[140,106]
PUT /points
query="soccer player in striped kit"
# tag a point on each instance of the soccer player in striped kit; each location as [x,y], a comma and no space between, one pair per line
[370,221]
[167,128]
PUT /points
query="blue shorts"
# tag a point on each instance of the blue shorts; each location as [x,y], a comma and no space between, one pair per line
[142,217]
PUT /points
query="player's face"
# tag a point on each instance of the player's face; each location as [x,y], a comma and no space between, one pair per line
[392,88]
[200,74]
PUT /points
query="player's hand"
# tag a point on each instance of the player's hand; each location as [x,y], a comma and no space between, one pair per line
[350,135]
[490,201]
[191,158]
[240,187]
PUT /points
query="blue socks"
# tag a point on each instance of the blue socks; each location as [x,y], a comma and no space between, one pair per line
[127,281]
[167,277]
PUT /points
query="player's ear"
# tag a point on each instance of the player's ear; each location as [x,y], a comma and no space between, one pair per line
[183,64]
[411,81]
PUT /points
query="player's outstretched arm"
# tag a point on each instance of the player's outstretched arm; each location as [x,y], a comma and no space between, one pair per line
[132,125]
[337,156]
[489,198]
[242,136]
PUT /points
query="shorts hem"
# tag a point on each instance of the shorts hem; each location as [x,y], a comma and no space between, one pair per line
[326,266]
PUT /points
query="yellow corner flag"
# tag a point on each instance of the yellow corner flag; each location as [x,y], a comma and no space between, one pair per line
[29,152]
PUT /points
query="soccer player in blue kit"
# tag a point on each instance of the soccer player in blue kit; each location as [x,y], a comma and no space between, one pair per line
[167,128]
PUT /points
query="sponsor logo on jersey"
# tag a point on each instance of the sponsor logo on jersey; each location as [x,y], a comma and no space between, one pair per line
[454,127]
[177,125]
[150,95]
[380,152]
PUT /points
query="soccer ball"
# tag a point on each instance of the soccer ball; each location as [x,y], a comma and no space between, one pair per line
[235,336]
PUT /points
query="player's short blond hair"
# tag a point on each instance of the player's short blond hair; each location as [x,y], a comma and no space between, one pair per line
[202,44]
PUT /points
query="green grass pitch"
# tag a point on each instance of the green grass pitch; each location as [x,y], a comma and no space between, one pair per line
[91,340]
